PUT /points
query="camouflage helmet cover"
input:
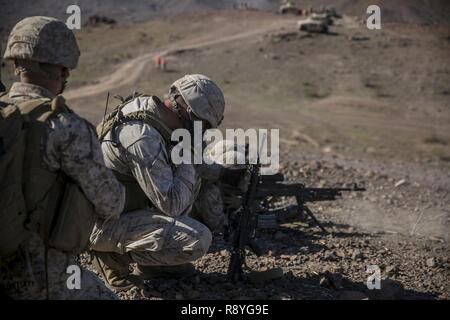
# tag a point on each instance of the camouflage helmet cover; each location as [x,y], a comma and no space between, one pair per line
[203,96]
[43,39]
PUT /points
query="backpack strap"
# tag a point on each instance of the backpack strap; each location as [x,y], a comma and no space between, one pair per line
[105,125]
[41,109]
[37,107]
[38,111]
[40,182]
[117,118]
[153,121]
[5,100]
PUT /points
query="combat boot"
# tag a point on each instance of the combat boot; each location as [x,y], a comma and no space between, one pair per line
[115,269]
[151,272]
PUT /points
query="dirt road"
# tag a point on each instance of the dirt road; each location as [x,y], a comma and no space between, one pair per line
[130,71]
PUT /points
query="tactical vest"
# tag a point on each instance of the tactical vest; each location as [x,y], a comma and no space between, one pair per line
[36,198]
[135,196]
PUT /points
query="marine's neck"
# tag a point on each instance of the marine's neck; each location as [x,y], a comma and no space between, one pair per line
[43,83]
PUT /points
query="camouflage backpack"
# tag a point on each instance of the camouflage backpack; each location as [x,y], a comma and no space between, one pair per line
[13,211]
[33,197]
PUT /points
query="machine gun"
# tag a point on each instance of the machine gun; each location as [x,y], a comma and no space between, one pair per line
[246,221]
[274,186]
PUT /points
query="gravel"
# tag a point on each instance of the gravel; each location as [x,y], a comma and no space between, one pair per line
[412,265]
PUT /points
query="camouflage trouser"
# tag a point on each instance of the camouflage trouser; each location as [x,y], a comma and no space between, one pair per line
[23,276]
[153,239]
[208,207]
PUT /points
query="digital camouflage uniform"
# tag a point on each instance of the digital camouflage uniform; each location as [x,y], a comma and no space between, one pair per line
[69,145]
[160,235]
[209,207]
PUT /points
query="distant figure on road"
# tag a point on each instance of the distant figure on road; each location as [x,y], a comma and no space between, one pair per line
[160,63]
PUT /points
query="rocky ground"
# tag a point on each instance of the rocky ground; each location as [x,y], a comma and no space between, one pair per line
[413,261]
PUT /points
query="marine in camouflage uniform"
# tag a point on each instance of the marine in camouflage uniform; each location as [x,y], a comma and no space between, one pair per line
[162,234]
[38,46]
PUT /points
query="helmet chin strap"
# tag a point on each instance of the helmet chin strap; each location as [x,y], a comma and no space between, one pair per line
[63,86]
[183,115]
